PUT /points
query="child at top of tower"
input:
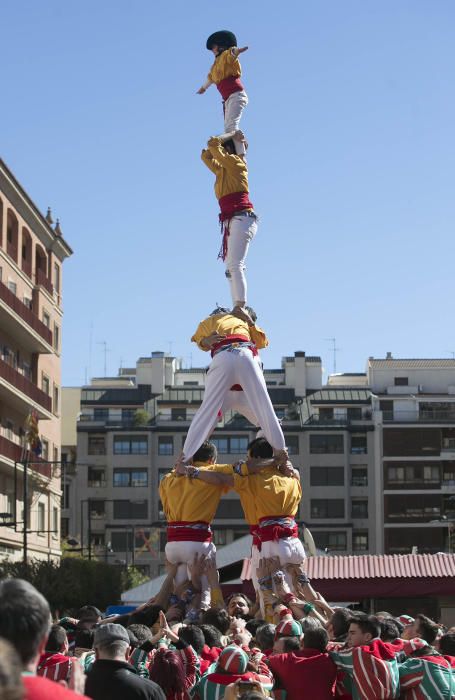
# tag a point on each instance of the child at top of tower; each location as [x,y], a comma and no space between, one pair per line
[225,73]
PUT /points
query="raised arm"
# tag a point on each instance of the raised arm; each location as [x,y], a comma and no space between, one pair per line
[210,161]
[225,159]
[207,84]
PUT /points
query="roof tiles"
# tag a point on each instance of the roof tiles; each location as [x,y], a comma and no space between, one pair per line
[382,566]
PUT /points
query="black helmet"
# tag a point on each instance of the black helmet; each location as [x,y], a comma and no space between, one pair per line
[222,38]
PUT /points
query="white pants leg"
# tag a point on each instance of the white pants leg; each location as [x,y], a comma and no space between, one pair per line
[183,553]
[220,378]
[289,550]
[233,109]
[242,230]
[236,401]
[251,379]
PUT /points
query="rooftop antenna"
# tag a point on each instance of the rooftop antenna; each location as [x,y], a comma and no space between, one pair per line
[334,350]
[106,350]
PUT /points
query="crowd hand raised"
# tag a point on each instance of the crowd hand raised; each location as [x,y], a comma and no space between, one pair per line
[211,572]
[239,135]
[241,313]
[76,681]
[179,466]
[287,469]
[211,340]
[280,584]
[323,605]
[171,569]
[196,568]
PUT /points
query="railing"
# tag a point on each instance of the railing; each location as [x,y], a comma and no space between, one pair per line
[96,483]
[16,453]
[436,416]
[42,279]
[12,376]
[25,313]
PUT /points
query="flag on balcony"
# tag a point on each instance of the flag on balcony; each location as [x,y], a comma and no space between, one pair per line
[32,434]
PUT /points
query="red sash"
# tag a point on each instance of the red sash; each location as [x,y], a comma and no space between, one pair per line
[228,86]
[272,533]
[177,532]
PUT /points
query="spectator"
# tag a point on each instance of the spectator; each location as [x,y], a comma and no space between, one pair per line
[426,674]
[253,625]
[421,627]
[55,663]
[283,645]
[25,622]
[338,625]
[238,605]
[265,637]
[447,647]
[111,676]
[212,647]
[11,687]
[286,628]
[389,629]
[83,648]
[308,672]
[231,666]
[217,617]
[194,636]
[141,632]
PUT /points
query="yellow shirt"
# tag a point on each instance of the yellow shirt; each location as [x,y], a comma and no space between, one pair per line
[231,171]
[191,500]
[267,493]
[225,324]
[226,65]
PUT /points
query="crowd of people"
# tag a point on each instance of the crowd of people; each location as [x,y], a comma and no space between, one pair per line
[171,648]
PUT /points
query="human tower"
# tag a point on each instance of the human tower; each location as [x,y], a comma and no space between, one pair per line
[267,485]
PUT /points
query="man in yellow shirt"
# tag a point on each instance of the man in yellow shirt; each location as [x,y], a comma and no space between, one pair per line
[225,73]
[233,342]
[237,217]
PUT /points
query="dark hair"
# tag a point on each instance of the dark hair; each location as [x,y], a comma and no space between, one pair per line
[310,623]
[84,639]
[218,618]
[141,632]
[265,636]
[389,629]
[252,312]
[212,635]
[253,625]
[259,447]
[11,687]
[168,671]
[146,617]
[134,642]
[290,644]
[88,612]
[56,639]
[219,310]
[368,624]
[229,146]
[24,617]
[428,630]
[205,453]
[316,639]
[447,644]
[192,634]
[340,621]
[245,598]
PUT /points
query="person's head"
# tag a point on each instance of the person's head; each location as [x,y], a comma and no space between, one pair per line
[220,311]
[142,633]
[218,618]
[168,671]
[212,635]
[316,639]
[57,640]
[232,660]
[389,629]
[252,312]
[11,687]
[284,645]
[259,447]
[25,619]
[447,644]
[338,624]
[192,634]
[253,625]
[207,453]
[286,628]
[310,623]
[422,627]
[229,147]
[265,636]
[220,41]
[84,639]
[111,642]
[88,617]
[238,605]
[362,630]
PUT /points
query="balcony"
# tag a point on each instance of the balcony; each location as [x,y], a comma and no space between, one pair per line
[42,280]
[436,416]
[11,249]
[16,453]
[25,394]
[24,325]
[26,267]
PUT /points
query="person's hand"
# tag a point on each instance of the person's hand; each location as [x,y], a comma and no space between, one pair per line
[171,569]
[211,572]
[201,91]
[242,638]
[196,568]
[174,613]
[239,135]
[76,680]
[241,313]
[273,564]
[212,340]
[182,587]
[237,625]
[242,50]
[164,626]
[287,469]
[179,466]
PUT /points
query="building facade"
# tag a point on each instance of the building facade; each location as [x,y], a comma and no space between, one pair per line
[32,252]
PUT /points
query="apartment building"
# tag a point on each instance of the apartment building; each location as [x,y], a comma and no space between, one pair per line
[32,252]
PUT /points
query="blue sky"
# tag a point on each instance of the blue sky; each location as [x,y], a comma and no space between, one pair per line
[352,158]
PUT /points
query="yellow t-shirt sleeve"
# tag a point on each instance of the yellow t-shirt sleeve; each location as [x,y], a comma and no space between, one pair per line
[241,484]
[258,337]
[203,331]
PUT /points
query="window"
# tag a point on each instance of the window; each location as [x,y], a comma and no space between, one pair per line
[134,445]
[131,477]
[45,449]
[401,381]
[354,413]
[360,540]
[66,495]
[331,541]
[45,385]
[41,518]
[327,476]
[56,338]
[165,445]
[46,319]
[359,476]
[178,413]
[12,286]
[233,445]
[128,415]
[101,414]
[229,509]
[97,508]
[280,413]
[162,473]
[130,510]
[292,443]
[121,541]
[57,277]
[359,509]
[56,401]
[327,508]
[96,478]
[65,527]
[219,537]
[98,539]
[414,474]
[96,445]
[326,444]
[55,521]
[27,302]
[359,444]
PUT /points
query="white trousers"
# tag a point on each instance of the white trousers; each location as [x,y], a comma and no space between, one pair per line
[289,550]
[182,553]
[228,367]
[233,109]
[242,229]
